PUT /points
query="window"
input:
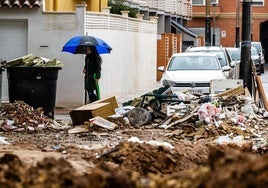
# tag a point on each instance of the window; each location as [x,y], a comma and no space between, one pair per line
[203,2]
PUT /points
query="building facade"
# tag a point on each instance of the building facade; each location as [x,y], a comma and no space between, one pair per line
[69,5]
[27,29]
[226,16]
[42,27]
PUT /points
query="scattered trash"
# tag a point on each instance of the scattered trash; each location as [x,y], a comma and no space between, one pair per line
[187,116]
[101,122]
[19,116]
[3,140]
[151,142]
[123,110]
[238,140]
[139,116]
[78,129]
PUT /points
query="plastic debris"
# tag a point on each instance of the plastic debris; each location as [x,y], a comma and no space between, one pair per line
[101,122]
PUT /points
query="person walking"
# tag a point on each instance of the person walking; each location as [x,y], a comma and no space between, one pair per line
[92,72]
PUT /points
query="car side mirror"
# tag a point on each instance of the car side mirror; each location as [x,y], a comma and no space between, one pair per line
[226,68]
[161,69]
[233,63]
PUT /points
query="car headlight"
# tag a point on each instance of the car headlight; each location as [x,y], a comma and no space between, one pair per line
[168,83]
[256,61]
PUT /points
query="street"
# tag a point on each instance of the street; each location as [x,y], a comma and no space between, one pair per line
[264,79]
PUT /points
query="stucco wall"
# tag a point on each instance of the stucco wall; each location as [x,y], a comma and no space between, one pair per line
[131,65]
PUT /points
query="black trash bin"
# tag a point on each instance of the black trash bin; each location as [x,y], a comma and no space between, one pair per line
[1,76]
[36,86]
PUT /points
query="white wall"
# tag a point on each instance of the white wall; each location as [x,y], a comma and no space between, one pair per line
[131,65]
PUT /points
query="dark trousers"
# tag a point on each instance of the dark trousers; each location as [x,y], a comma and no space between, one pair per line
[92,95]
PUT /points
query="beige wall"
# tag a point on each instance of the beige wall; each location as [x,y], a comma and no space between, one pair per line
[69,5]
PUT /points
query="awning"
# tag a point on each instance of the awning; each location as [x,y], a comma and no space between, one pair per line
[183,29]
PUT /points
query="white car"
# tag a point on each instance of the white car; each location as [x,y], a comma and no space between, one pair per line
[192,71]
[223,57]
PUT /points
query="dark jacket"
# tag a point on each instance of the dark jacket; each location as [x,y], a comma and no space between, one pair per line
[93,70]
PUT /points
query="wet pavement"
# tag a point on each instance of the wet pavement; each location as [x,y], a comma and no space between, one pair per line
[264,79]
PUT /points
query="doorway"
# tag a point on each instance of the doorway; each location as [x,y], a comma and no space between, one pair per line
[264,39]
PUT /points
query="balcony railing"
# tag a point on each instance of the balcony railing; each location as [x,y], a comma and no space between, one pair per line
[177,7]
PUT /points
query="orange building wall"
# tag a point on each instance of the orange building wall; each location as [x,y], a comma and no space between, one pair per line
[225,19]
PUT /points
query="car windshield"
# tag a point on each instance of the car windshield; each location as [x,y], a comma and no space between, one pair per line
[221,58]
[220,55]
[254,51]
[257,46]
[193,63]
[234,54]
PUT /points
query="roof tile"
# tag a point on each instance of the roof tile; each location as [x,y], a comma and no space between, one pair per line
[20,3]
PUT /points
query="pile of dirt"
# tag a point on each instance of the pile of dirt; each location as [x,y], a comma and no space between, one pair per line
[178,152]
[146,158]
[132,164]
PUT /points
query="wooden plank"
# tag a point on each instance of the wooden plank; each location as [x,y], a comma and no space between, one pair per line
[91,106]
[222,85]
[239,90]
[262,92]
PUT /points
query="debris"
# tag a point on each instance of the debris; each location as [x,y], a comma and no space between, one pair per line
[19,116]
[34,61]
[3,140]
[101,122]
[239,90]
[78,129]
[139,116]
[183,119]
[123,110]
[91,110]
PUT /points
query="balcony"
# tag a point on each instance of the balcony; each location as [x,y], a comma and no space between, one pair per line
[176,7]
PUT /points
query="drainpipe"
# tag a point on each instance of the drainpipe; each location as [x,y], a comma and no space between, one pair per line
[237,28]
[213,33]
[208,28]
[245,64]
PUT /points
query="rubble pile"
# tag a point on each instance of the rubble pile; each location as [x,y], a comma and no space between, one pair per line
[207,116]
[224,118]
[19,116]
[168,140]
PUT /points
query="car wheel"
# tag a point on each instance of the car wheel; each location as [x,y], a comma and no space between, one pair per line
[262,68]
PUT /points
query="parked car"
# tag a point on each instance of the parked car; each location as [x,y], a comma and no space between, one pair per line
[235,56]
[234,53]
[192,71]
[223,57]
[260,53]
[255,57]
[259,56]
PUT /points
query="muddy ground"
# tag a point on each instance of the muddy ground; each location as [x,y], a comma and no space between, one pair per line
[127,156]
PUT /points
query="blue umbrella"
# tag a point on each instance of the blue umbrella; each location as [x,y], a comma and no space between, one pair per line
[78,44]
